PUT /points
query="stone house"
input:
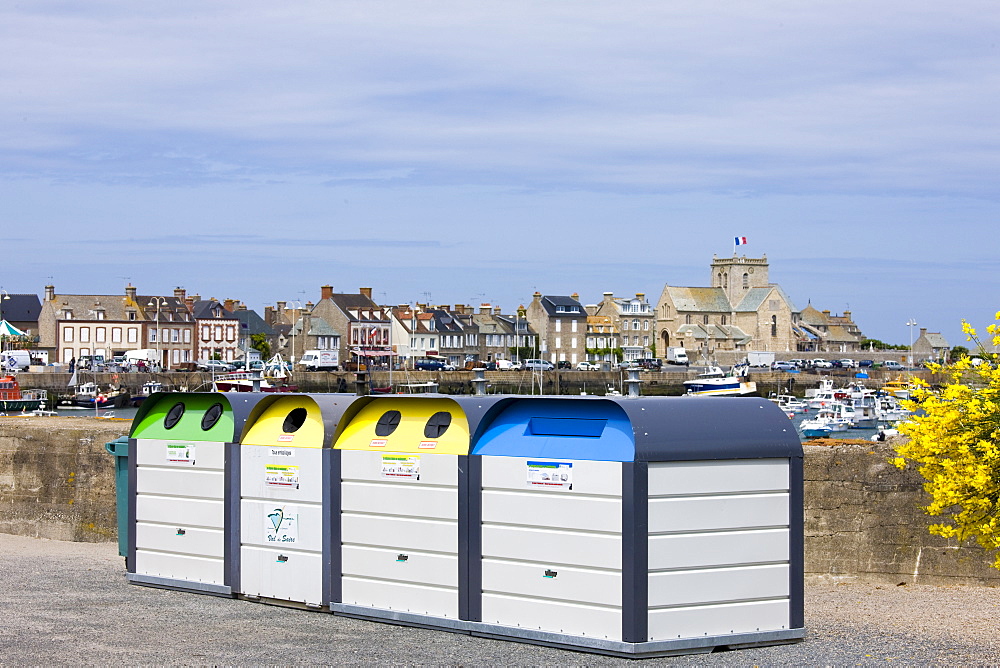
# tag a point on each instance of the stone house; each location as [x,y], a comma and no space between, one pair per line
[931,346]
[561,325]
[821,331]
[602,337]
[352,323]
[218,329]
[635,320]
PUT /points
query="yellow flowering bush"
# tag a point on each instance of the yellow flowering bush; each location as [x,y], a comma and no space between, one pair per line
[954,441]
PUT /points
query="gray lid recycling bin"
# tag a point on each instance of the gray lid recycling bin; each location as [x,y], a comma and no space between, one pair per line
[119,449]
[639,526]
[286,486]
[181,501]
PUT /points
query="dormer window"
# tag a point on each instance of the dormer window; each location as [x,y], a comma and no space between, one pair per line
[67,314]
[131,315]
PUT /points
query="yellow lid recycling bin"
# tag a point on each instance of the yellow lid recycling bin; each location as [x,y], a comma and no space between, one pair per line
[181,507]
[285,487]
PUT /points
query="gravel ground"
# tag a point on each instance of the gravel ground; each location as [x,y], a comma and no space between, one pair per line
[68,603]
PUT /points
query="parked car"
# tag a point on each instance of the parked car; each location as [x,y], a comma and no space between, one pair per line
[588,366]
[821,364]
[800,364]
[893,365]
[848,364]
[538,365]
[563,364]
[781,365]
[217,366]
[625,365]
[866,363]
[651,363]
[429,365]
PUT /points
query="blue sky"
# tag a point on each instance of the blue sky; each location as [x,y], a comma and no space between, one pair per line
[464,152]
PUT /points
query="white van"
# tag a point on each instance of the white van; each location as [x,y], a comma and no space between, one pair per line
[317,360]
[15,360]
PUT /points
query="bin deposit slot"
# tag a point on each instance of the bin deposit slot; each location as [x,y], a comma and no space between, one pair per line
[437,424]
[586,427]
[211,416]
[294,420]
[387,423]
[173,416]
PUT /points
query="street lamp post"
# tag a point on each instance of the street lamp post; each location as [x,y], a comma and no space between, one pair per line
[6,296]
[294,322]
[911,323]
[158,302]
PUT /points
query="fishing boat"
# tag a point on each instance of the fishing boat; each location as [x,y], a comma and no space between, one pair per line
[790,403]
[716,382]
[824,424]
[13,398]
[89,395]
[898,388]
[148,388]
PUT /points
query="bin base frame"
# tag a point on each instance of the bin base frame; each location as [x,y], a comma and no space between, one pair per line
[649,649]
[224,591]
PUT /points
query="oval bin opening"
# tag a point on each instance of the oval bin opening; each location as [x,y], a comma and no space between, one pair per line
[173,416]
[437,424]
[211,416]
[294,420]
[387,423]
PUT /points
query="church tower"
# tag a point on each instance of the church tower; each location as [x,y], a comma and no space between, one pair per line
[736,275]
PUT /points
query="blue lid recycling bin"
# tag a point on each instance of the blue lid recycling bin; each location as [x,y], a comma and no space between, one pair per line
[181,503]
[639,526]
[285,490]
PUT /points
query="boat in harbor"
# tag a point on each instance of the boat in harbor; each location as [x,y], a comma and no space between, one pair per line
[898,388]
[716,382]
[13,398]
[89,395]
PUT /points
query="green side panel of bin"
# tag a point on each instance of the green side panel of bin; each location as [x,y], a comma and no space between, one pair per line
[159,420]
[119,448]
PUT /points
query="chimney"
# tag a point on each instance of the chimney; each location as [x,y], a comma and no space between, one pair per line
[280,306]
[130,291]
[309,307]
[189,303]
[847,315]
[826,312]
[537,297]
[229,305]
[50,293]
[326,292]
[197,298]
[497,310]
[575,296]
[608,296]
[640,295]
[367,292]
[591,309]
[179,293]
[923,330]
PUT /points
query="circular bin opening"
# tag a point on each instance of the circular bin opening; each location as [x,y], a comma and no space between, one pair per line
[387,423]
[437,424]
[211,416]
[294,420]
[173,415]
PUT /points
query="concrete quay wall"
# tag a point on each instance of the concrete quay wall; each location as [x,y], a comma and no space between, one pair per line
[862,515]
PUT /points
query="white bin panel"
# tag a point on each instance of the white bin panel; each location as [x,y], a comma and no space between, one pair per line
[308,524]
[718,477]
[207,454]
[308,463]
[556,617]
[432,570]
[165,538]
[298,578]
[576,585]
[709,620]
[400,498]
[434,601]
[553,509]
[589,477]
[718,512]
[414,534]
[718,549]
[367,466]
[181,482]
[179,512]
[718,585]
[556,547]
[179,567]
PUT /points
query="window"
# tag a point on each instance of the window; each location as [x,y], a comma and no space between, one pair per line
[102,333]
[152,335]
[131,315]
[175,336]
[635,325]
[558,324]
[133,335]
[558,342]
[116,335]
[746,281]
[704,319]
[68,334]
[99,314]
[722,320]
[774,325]
[687,319]
[572,342]
[645,341]
[187,336]
[645,325]
[85,335]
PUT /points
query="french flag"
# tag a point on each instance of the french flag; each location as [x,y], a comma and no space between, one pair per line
[741,241]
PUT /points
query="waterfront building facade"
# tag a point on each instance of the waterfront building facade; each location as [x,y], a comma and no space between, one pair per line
[561,325]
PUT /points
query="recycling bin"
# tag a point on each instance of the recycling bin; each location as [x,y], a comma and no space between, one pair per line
[403,463]
[638,526]
[119,449]
[285,489]
[182,505]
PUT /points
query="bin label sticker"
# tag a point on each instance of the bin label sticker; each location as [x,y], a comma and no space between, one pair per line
[282,452]
[181,453]
[286,438]
[427,445]
[378,443]
[281,475]
[550,474]
[282,526]
[406,467]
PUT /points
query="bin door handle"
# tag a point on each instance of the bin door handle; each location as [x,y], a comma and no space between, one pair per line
[550,573]
[402,557]
[282,558]
[180,531]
